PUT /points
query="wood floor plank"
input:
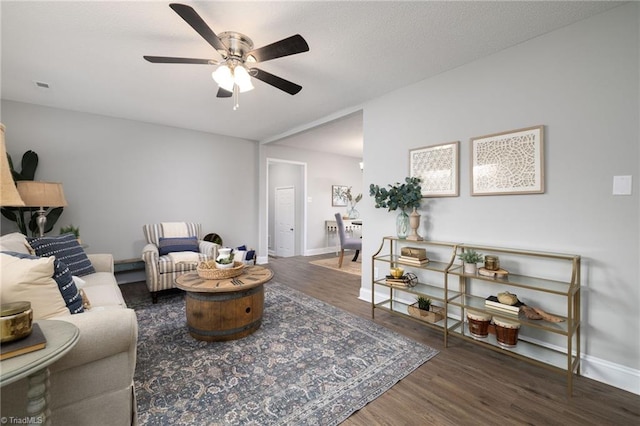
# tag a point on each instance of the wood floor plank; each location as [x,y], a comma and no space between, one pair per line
[464,384]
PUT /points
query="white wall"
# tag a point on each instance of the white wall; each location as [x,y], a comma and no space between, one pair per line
[120,174]
[582,83]
[323,171]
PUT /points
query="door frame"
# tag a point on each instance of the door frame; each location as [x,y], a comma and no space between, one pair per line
[302,215]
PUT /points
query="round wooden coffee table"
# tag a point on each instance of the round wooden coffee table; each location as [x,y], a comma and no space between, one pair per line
[226,309]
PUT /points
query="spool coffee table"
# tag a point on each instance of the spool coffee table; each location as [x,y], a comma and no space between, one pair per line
[225,309]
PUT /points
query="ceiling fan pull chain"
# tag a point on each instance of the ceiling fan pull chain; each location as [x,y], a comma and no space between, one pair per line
[236,96]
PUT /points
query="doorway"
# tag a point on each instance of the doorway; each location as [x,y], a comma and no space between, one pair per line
[286,209]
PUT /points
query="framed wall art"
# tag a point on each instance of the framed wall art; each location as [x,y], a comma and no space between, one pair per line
[437,167]
[339,195]
[510,162]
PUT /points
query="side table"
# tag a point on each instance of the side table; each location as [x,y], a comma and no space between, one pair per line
[61,338]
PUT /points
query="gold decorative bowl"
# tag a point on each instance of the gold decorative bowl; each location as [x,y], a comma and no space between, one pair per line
[15,321]
[397,272]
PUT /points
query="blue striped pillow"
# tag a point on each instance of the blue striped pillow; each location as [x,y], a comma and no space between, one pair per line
[170,245]
[62,277]
[66,249]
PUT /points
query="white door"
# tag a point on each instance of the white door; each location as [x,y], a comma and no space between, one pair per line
[285,217]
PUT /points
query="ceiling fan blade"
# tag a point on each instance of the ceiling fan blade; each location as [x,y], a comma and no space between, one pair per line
[172,60]
[197,23]
[275,81]
[223,93]
[285,47]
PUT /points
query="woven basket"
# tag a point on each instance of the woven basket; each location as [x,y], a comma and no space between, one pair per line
[435,313]
[220,274]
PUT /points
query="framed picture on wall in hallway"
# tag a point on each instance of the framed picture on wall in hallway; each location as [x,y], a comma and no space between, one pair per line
[437,167]
[339,195]
[509,162]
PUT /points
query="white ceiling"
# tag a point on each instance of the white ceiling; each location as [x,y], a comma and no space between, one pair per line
[90,53]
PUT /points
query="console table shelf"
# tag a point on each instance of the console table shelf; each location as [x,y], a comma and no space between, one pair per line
[540,279]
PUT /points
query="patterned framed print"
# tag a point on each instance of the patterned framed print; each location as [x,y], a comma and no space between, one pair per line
[437,167]
[339,195]
[508,162]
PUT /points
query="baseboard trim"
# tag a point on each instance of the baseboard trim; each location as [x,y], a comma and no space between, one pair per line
[317,251]
[616,375]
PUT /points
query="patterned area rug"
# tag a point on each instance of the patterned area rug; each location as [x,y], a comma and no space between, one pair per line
[309,364]
[348,266]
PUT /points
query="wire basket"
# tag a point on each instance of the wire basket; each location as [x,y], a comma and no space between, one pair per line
[220,274]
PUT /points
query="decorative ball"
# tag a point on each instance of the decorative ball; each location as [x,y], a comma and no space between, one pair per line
[411,279]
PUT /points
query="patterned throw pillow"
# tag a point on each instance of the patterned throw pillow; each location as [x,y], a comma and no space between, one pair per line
[66,249]
[170,245]
[64,280]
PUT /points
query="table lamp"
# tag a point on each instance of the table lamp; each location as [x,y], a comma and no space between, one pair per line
[15,318]
[9,196]
[42,195]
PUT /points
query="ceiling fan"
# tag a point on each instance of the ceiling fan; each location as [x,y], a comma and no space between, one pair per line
[234,73]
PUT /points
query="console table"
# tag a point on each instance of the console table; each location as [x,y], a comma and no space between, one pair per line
[331,227]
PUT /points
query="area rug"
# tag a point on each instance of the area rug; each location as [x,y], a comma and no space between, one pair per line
[309,364]
[348,266]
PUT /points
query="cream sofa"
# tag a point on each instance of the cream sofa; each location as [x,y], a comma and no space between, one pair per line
[93,383]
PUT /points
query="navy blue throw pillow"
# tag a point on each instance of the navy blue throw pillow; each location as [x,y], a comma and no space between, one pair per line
[66,249]
[62,277]
[169,245]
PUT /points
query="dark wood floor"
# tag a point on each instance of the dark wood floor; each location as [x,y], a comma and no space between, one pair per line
[464,384]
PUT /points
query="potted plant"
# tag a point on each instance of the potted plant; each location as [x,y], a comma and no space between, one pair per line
[470,258]
[225,258]
[423,309]
[352,213]
[407,195]
[71,230]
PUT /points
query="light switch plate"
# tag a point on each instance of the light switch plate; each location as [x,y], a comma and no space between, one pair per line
[622,185]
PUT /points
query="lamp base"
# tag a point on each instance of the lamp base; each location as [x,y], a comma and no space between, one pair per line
[41,221]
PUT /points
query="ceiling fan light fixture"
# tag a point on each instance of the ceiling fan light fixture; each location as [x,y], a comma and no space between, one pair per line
[242,79]
[224,77]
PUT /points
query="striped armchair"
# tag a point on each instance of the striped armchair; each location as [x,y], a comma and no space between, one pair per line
[162,269]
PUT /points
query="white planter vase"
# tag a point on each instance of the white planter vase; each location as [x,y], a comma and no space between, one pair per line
[470,268]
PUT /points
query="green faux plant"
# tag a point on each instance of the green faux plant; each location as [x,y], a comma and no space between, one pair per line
[401,196]
[471,256]
[424,303]
[225,260]
[70,230]
[25,217]
[351,199]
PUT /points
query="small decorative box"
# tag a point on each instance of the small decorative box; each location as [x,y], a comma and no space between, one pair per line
[16,319]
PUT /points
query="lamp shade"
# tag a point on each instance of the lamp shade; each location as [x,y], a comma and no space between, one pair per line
[9,195]
[41,194]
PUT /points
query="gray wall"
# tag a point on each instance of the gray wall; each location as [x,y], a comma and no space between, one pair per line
[120,174]
[582,83]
